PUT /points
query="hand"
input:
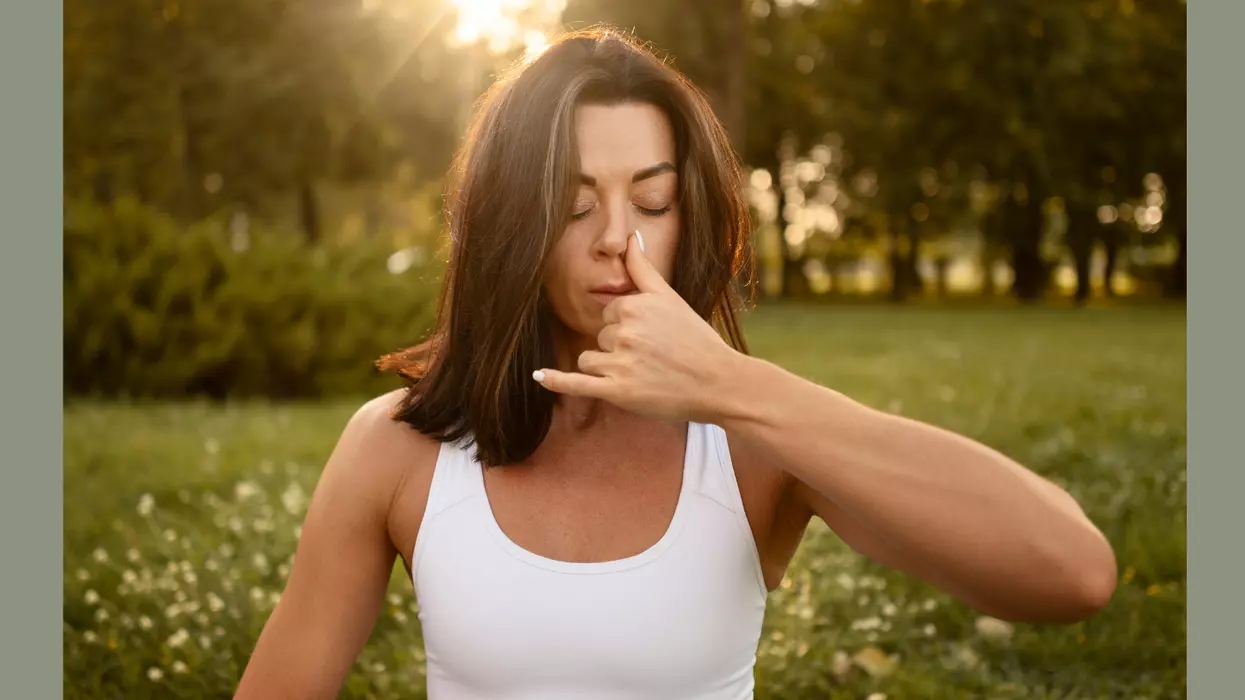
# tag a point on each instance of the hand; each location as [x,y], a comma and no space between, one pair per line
[657,357]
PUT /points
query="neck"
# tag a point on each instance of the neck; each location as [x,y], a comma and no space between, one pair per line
[579,413]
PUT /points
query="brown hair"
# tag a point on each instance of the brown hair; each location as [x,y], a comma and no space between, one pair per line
[511,196]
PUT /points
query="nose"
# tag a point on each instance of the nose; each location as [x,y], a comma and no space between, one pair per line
[612,239]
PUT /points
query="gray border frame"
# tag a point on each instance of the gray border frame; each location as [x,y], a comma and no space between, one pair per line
[30,294]
[1215,379]
[31,40]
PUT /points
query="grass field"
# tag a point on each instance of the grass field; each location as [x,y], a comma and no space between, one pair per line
[180,519]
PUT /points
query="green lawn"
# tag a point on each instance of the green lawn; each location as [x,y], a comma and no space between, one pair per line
[164,596]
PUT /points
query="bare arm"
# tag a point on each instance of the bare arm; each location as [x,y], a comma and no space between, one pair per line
[341,568]
[923,500]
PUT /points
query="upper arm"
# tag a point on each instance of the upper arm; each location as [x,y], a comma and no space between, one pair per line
[854,533]
[342,564]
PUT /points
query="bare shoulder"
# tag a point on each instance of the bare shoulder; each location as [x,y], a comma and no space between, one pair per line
[382,444]
[377,456]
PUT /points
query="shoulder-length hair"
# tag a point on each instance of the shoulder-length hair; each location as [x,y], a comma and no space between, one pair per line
[511,196]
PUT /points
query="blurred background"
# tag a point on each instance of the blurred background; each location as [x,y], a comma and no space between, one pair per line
[970,212]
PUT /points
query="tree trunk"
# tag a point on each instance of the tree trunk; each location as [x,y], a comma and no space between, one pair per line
[1024,221]
[902,252]
[1083,228]
[309,211]
[1111,239]
[1177,286]
[941,265]
[792,277]
[734,82]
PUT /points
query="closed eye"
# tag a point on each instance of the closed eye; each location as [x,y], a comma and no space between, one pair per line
[581,215]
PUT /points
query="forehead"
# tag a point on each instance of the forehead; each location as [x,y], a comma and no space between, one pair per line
[620,139]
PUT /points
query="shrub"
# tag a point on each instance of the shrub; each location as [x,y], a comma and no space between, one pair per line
[156,309]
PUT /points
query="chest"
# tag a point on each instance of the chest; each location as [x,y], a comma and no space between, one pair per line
[681,618]
[589,503]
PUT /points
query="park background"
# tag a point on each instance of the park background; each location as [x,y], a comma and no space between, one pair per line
[968,212]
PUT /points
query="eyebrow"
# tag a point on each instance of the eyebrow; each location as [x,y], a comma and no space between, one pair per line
[643,174]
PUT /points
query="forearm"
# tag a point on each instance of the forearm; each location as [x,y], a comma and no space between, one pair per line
[980,524]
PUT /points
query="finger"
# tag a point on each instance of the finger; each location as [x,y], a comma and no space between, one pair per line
[574,383]
[614,311]
[607,339]
[645,277]
[595,363]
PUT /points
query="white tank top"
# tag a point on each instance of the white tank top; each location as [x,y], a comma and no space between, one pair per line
[680,620]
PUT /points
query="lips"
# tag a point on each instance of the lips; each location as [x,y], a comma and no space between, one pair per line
[619,288]
[604,294]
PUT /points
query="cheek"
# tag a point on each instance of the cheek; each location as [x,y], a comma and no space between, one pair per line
[559,276]
[664,247]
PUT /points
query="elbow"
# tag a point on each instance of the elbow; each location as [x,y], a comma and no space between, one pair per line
[1098,581]
[1090,584]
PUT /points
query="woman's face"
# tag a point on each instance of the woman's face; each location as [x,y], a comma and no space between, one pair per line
[626,182]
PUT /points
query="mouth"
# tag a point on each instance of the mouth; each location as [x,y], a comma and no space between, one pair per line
[605,294]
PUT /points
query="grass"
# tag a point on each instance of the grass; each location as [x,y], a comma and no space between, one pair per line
[165,594]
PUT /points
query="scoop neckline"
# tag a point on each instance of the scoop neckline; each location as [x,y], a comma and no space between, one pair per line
[597,567]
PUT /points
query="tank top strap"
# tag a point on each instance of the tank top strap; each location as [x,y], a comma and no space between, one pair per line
[455,477]
[711,471]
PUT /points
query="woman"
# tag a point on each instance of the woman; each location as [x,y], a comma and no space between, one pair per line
[592,490]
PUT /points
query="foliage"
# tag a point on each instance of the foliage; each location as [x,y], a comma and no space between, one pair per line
[155,309]
[205,549]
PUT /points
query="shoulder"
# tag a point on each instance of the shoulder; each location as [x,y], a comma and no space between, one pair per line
[374,435]
[376,455]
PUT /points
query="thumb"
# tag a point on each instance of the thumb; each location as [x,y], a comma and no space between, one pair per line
[645,277]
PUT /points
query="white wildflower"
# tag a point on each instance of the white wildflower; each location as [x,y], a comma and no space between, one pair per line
[83,575]
[146,504]
[180,667]
[133,555]
[294,498]
[244,490]
[155,674]
[178,638]
[994,629]
[91,597]
[100,555]
[144,622]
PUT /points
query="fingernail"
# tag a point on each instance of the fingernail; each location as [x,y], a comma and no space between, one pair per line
[639,237]
[538,376]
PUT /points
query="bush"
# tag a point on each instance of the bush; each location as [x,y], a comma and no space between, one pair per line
[156,309]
